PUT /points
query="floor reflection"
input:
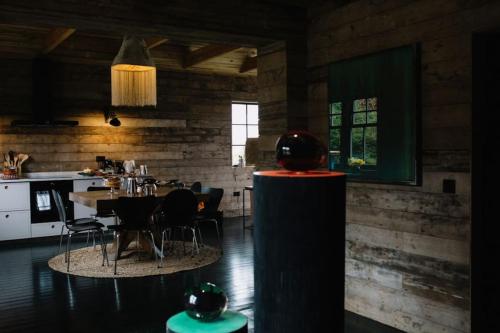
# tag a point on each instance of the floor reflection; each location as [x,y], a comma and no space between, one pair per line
[33,298]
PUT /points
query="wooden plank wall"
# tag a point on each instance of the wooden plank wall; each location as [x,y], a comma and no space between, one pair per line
[188,136]
[282,94]
[408,247]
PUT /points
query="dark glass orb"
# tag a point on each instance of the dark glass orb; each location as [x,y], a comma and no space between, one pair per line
[205,302]
[300,151]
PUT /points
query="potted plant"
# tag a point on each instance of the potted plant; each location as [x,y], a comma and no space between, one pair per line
[355,164]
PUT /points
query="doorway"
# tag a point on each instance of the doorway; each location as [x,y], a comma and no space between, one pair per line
[485,242]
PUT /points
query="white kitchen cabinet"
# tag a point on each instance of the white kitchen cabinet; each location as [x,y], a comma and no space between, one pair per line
[15,225]
[14,196]
[82,211]
[81,185]
[15,215]
[46,229]
[15,218]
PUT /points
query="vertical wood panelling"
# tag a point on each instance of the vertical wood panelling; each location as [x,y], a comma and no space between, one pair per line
[282,94]
[408,247]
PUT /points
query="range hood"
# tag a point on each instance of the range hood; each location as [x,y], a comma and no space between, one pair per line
[41,105]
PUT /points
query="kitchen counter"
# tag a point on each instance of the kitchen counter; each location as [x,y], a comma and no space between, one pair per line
[20,217]
[47,176]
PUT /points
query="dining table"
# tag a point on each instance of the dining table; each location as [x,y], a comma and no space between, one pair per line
[107,200]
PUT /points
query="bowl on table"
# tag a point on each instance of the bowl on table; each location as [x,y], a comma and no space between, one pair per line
[113,182]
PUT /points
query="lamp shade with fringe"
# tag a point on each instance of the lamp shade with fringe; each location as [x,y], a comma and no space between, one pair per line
[133,75]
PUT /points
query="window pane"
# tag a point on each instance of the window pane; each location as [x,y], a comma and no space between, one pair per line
[372,117]
[357,145]
[359,118]
[334,159]
[239,135]
[253,114]
[239,114]
[253,131]
[237,151]
[371,145]
[372,103]
[336,120]
[336,108]
[335,139]
[359,105]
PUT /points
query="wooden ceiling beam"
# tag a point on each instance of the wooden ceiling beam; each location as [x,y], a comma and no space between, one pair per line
[155,41]
[248,64]
[206,53]
[55,37]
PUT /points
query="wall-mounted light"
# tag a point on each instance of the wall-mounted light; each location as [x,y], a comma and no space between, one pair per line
[133,75]
[112,118]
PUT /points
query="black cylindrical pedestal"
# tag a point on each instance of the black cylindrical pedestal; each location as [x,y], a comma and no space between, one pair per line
[299,251]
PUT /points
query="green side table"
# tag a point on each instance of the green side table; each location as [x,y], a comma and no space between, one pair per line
[228,322]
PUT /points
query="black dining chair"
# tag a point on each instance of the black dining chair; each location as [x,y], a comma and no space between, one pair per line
[67,222]
[75,228]
[195,187]
[211,213]
[135,214]
[177,211]
[102,213]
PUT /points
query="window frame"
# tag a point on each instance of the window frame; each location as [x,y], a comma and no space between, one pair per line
[246,124]
[345,135]
[351,112]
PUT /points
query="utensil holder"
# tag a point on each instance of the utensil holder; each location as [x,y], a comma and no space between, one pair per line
[10,173]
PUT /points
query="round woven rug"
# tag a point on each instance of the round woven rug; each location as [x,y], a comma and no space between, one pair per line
[87,262]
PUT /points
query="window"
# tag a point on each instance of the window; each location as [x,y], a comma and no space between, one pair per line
[364,132]
[373,117]
[245,124]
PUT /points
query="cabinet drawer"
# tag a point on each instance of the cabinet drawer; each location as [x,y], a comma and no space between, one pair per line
[82,211]
[14,196]
[82,185]
[15,225]
[46,229]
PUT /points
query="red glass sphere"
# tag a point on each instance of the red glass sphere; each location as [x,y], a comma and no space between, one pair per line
[300,151]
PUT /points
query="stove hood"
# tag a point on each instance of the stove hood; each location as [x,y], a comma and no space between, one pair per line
[41,104]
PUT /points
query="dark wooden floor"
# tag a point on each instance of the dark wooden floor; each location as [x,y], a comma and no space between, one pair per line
[33,298]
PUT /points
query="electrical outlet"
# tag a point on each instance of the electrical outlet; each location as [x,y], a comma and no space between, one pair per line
[449,186]
[236,194]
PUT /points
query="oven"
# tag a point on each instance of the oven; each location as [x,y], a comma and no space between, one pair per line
[43,206]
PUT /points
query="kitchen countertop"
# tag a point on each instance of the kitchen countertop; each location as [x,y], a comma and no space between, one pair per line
[47,176]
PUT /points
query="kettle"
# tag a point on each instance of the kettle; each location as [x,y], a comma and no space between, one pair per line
[129,166]
[131,186]
[149,186]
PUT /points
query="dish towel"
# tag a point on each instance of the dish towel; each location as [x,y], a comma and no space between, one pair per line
[43,201]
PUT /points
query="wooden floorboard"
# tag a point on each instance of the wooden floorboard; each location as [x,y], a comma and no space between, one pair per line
[33,298]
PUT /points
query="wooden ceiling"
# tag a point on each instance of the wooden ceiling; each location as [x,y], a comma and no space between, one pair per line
[95,47]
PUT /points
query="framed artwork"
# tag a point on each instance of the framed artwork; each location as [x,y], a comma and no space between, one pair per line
[374,116]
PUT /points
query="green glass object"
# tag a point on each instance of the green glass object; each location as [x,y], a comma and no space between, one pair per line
[205,302]
[228,322]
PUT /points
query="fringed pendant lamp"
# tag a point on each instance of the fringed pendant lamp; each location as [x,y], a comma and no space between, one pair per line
[133,75]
